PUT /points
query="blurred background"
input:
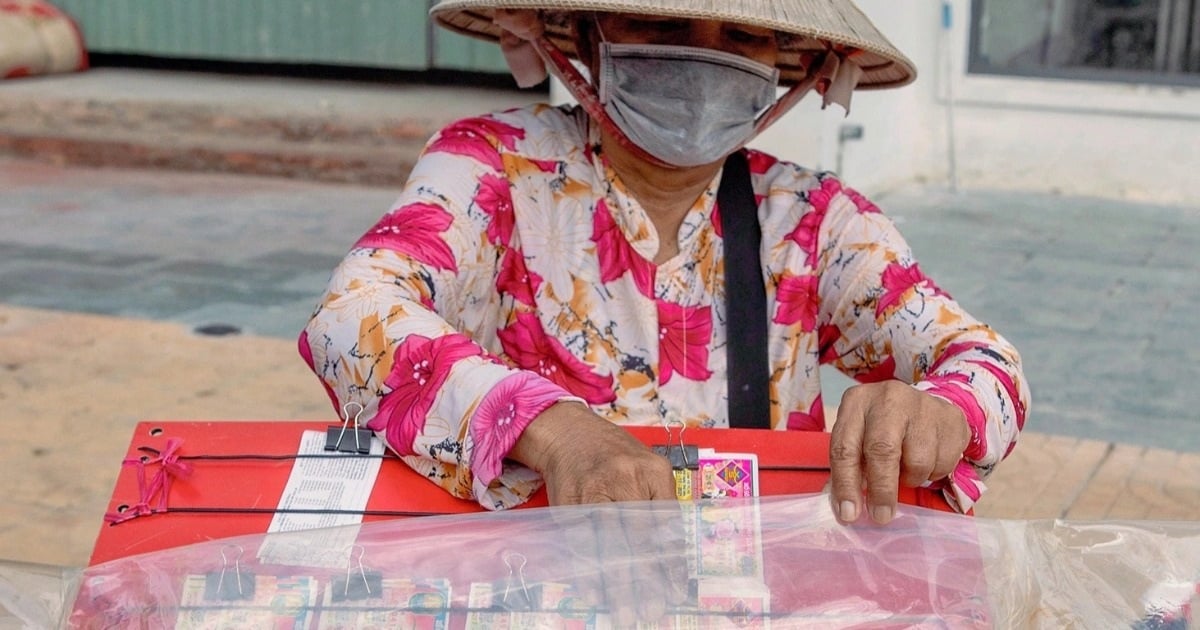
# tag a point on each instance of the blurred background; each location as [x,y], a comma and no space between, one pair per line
[179,177]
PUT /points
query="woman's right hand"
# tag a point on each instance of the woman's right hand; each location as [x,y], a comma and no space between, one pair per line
[632,562]
[584,458]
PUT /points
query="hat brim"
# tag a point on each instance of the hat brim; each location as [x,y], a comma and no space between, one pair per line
[806,27]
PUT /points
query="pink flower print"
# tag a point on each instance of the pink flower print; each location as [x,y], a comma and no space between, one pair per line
[945,387]
[863,204]
[760,162]
[306,354]
[414,230]
[502,416]
[827,336]
[494,197]
[807,232]
[966,480]
[547,166]
[419,369]
[955,350]
[897,281]
[821,196]
[1010,387]
[814,420]
[683,336]
[616,254]
[884,371]
[530,348]
[798,301]
[516,279]
[476,138]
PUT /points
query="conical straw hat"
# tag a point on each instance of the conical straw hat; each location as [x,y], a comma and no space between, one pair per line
[805,26]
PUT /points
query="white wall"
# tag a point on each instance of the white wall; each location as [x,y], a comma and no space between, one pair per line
[1075,137]
[903,136]
[1105,139]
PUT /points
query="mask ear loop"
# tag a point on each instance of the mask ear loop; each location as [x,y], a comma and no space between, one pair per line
[583,91]
[785,103]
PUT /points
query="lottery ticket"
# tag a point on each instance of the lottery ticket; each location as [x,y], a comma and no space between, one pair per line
[726,475]
[727,540]
[276,602]
[540,606]
[400,603]
[733,603]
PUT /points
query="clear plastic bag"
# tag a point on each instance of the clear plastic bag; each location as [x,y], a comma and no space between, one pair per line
[770,563]
[32,595]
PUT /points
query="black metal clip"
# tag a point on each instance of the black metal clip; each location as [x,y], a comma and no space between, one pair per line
[334,436]
[681,455]
[357,585]
[226,585]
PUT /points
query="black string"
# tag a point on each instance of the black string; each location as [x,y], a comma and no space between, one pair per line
[257,456]
[567,613]
[241,510]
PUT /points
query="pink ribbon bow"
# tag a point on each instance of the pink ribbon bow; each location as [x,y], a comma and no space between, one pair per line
[159,486]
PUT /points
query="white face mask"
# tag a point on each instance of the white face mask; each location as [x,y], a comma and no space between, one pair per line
[685,106]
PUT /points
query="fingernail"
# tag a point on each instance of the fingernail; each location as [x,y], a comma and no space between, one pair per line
[882,514]
[848,512]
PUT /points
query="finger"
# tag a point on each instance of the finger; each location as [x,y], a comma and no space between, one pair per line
[660,481]
[615,566]
[846,460]
[919,453]
[673,554]
[883,439]
[954,434]
[585,551]
[657,562]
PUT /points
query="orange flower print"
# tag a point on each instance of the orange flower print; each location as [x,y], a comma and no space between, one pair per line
[415,230]
[530,348]
[683,336]
[420,367]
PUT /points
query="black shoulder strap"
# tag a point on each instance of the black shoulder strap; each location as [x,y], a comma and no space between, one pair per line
[745,298]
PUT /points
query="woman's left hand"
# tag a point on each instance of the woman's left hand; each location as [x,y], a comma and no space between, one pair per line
[886,434]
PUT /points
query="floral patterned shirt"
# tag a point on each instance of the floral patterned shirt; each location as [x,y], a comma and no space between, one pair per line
[515,271]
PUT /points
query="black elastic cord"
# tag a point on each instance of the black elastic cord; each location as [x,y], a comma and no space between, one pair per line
[265,457]
[745,298]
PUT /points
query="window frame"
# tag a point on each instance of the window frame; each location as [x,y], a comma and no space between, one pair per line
[1182,76]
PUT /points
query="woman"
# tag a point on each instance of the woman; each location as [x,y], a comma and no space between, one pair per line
[550,273]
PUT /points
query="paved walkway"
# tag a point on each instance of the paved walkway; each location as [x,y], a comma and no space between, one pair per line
[105,275]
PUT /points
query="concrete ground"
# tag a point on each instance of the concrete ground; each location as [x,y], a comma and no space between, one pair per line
[106,274]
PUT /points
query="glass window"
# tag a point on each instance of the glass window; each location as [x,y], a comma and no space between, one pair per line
[1154,41]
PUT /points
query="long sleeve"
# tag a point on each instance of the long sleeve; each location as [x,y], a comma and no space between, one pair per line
[404,324]
[882,318]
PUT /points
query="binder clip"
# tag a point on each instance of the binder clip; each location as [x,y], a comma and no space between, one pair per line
[230,583]
[515,594]
[682,456]
[359,583]
[337,440]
